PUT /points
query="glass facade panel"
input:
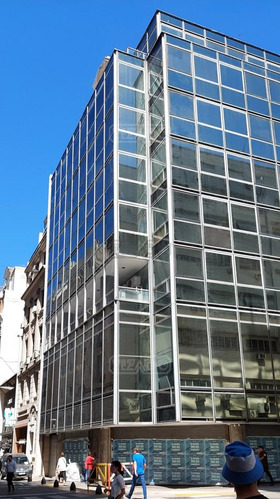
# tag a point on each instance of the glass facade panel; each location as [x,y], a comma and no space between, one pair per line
[164,239]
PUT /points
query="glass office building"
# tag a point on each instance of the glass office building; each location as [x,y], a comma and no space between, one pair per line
[163,290]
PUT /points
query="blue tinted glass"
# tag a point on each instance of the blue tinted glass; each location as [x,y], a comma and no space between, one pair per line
[180,81]
[256,61]
[171,20]
[236,44]
[178,42]
[182,127]
[131,77]
[273,57]
[98,209]
[206,69]
[215,46]
[215,36]
[235,53]
[272,75]
[99,233]
[230,60]
[231,78]
[277,132]
[207,89]
[210,135]
[181,105]
[262,149]
[132,143]
[205,52]
[193,28]
[254,69]
[257,105]
[233,97]
[208,113]
[99,186]
[131,97]
[260,128]
[109,195]
[172,31]
[274,91]
[278,153]
[255,51]
[255,85]
[235,121]
[179,59]
[237,142]
[109,222]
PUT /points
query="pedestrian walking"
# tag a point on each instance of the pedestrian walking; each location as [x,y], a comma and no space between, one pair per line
[118,485]
[263,458]
[89,465]
[242,469]
[138,470]
[61,468]
[10,472]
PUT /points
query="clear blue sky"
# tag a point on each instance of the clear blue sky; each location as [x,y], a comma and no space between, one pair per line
[49,53]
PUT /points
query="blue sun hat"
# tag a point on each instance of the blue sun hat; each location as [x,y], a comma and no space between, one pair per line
[242,466]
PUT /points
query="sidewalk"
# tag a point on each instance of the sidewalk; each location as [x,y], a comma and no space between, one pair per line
[170,492]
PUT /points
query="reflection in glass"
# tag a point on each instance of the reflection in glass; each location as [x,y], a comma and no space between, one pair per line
[212,161]
[221,294]
[195,405]
[215,212]
[193,352]
[188,263]
[219,267]
[225,354]
[248,271]
[135,407]
[230,406]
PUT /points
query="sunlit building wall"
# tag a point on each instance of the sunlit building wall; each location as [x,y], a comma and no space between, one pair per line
[164,245]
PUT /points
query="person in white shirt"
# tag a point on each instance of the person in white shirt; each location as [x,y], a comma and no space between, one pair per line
[61,468]
[118,484]
[10,472]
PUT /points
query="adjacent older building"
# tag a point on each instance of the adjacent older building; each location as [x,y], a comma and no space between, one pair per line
[11,317]
[162,305]
[26,432]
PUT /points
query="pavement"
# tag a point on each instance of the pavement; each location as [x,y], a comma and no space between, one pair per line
[173,492]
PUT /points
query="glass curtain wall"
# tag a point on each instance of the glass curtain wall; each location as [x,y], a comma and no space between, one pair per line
[225,188]
[78,375]
[134,348]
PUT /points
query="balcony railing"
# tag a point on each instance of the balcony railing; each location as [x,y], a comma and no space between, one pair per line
[137,294]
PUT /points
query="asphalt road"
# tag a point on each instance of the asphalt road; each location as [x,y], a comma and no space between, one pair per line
[34,490]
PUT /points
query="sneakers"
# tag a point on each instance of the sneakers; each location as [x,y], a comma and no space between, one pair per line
[127,496]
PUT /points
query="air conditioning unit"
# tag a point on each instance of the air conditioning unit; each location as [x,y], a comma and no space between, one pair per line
[135,282]
[263,408]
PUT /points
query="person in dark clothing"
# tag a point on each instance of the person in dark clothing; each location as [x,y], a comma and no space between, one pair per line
[243,470]
[10,467]
[263,458]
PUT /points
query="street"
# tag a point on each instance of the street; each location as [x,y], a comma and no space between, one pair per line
[34,490]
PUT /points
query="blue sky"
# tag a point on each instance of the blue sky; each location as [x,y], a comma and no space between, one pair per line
[49,53]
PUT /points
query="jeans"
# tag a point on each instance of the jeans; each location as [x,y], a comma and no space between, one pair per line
[10,476]
[141,478]
[87,474]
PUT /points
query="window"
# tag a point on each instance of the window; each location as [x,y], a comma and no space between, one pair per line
[260,128]
[206,69]
[231,78]
[208,113]
[235,121]
[255,85]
